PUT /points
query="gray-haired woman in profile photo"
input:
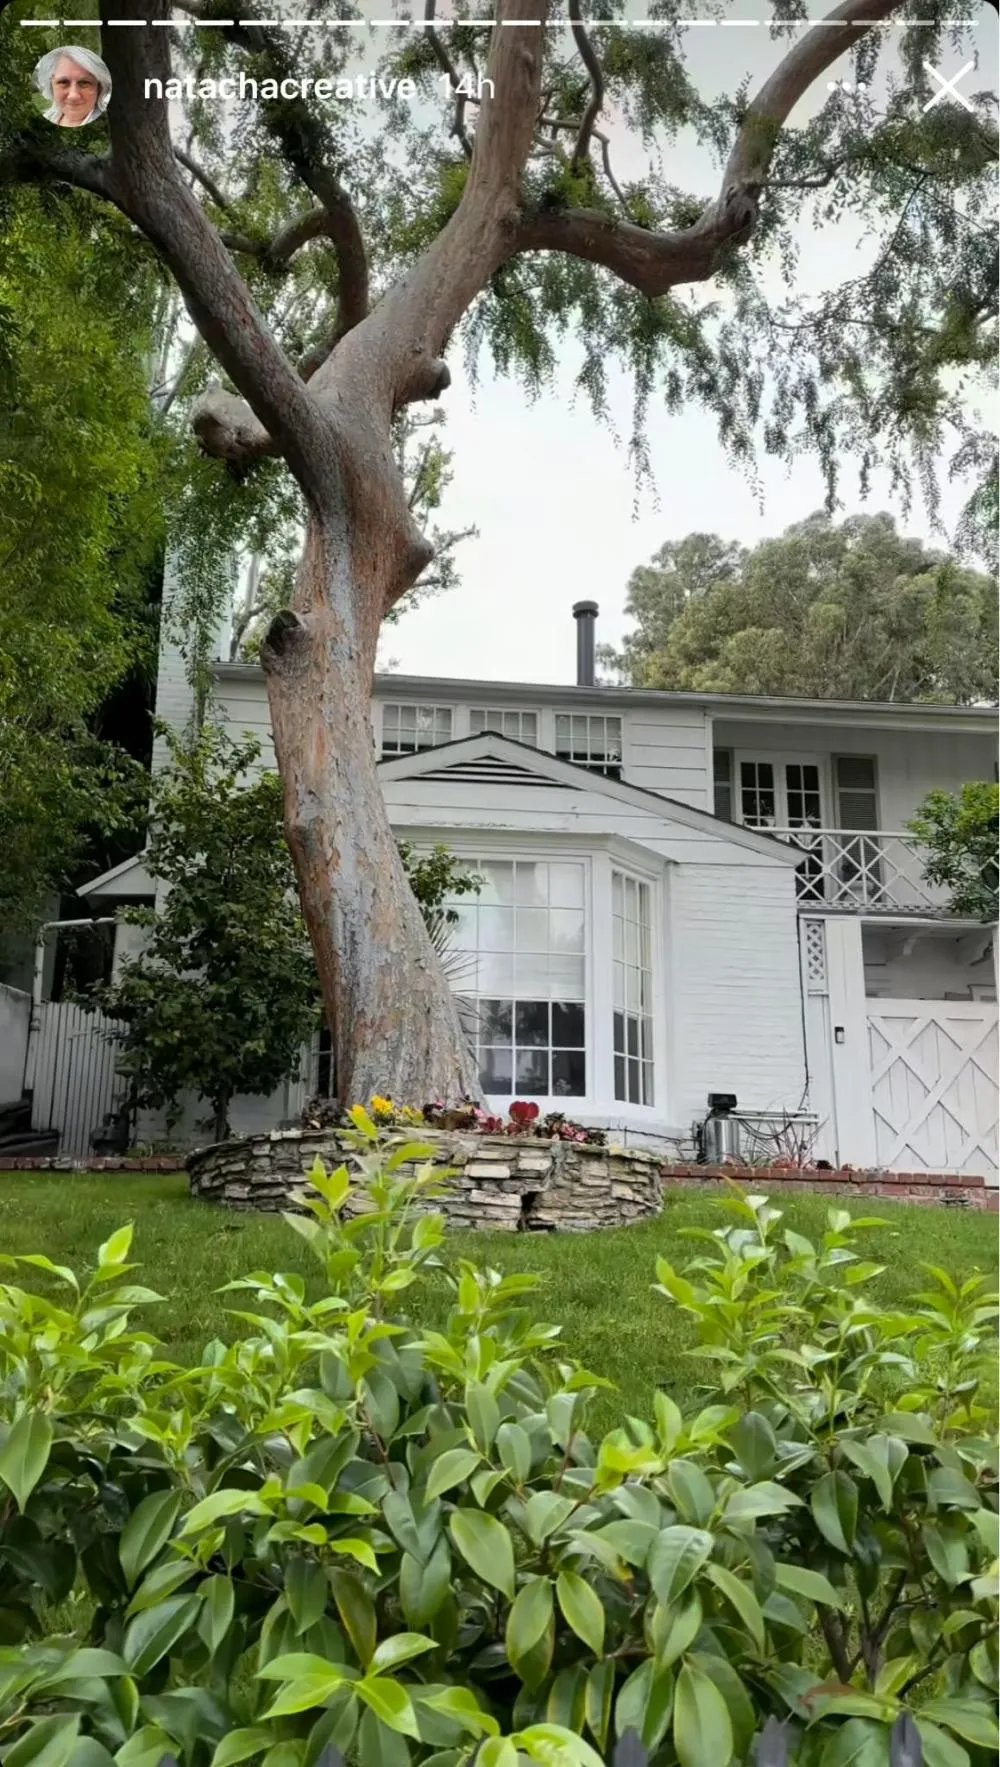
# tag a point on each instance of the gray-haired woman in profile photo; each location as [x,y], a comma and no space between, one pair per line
[78,83]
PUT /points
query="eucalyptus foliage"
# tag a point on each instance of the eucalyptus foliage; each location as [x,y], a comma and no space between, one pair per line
[342,1528]
[849,610]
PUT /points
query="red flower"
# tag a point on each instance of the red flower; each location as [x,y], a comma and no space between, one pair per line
[522,1112]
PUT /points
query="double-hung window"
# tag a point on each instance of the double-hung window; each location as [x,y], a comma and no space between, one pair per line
[590,740]
[632,966]
[407,729]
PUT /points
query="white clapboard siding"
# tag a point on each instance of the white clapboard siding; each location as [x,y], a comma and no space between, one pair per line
[908,763]
[734,1003]
[668,749]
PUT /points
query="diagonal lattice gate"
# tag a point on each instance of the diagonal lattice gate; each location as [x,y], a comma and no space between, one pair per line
[934,1087]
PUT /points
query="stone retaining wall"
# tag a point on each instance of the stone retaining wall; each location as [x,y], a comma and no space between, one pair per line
[498,1181]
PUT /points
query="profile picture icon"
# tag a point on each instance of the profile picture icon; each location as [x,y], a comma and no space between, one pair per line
[77,84]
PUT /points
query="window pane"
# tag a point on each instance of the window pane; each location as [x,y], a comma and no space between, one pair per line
[569,1073]
[567,1025]
[532,929]
[495,1021]
[632,1034]
[566,977]
[566,886]
[532,1071]
[529,727]
[566,929]
[462,930]
[531,975]
[532,883]
[498,881]
[477,721]
[620,1077]
[495,1070]
[634,1083]
[618,1022]
[531,1023]
[495,973]
[496,929]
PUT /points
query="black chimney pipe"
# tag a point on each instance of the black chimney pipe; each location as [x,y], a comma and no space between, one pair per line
[585,615]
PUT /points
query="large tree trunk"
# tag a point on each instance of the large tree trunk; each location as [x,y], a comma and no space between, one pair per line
[392,1016]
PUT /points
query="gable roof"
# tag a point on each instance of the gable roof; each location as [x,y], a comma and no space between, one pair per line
[129,878]
[489,759]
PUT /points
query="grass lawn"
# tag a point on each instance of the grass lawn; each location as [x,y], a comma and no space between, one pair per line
[596,1286]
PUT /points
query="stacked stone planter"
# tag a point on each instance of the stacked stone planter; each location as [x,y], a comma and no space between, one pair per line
[509,1183]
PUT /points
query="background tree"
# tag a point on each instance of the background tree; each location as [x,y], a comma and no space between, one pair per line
[81,536]
[224,995]
[961,831]
[849,610]
[514,221]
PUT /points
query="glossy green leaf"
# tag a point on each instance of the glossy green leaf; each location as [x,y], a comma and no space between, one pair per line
[50,1742]
[219,1597]
[514,1449]
[742,1599]
[703,1731]
[306,1592]
[675,1557]
[812,1584]
[764,1499]
[644,1703]
[582,1609]
[153,1633]
[834,1503]
[240,1745]
[674,1629]
[423,1587]
[486,1546]
[24,1455]
[390,1702]
[401,1648]
[528,1620]
[357,1613]
[973,1720]
[450,1469]
[147,1531]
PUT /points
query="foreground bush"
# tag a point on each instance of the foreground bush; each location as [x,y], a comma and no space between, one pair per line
[341,1530]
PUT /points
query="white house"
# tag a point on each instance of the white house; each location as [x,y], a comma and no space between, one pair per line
[685,894]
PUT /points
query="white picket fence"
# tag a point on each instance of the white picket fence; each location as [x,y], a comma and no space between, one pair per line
[71,1073]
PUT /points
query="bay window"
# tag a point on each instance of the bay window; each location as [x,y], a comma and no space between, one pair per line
[632,966]
[519,966]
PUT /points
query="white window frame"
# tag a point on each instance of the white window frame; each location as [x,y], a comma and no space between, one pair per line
[417,706]
[608,853]
[592,717]
[780,759]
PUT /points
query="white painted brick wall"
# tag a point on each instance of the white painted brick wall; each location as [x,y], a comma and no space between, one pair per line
[733,991]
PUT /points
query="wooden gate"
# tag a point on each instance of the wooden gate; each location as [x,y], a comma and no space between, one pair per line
[934,1091]
[71,1073]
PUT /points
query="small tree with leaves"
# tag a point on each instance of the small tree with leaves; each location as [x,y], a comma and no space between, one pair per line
[960,830]
[224,995]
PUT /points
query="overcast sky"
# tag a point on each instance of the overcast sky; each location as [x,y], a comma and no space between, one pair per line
[555,498]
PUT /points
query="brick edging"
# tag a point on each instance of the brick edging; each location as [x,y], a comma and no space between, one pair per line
[949,1188]
[32,1163]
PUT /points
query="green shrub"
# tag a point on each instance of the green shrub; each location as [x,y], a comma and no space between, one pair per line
[340,1529]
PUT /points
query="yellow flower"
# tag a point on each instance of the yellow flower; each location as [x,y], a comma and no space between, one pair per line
[411,1115]
[382,1109]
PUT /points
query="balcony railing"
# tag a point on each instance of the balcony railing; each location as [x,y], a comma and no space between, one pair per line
[881,872]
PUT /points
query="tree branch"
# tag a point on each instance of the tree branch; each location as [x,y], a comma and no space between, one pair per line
[593,67]
[654,262]
[303,138]
[201,177]
[448,67]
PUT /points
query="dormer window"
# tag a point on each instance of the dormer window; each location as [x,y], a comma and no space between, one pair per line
[592,741]
[408,729]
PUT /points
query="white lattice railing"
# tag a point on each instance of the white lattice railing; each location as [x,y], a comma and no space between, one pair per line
[869,873]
